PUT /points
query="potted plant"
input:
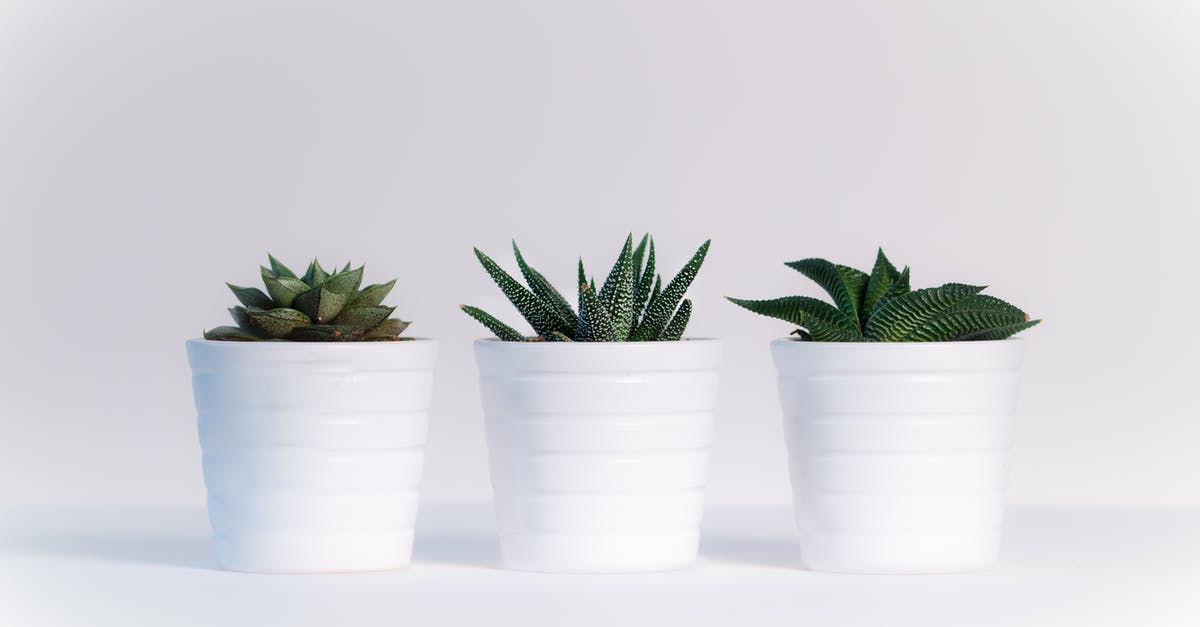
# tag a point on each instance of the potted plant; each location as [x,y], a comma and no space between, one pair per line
[598,425]
[898,410]
[312,419]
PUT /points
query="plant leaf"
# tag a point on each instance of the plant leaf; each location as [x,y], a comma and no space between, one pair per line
[820,320]
[372,294]
[971,315]
[502,331]
[239,316]
[283,290]
[645,287]
[595,323]
[280,270]
[674,330]
[388,329]
[345,282]
[661,307]
[315,275]
[999,333]
[554,301]
[539,316]
[364,316]
[251,296]
[321,304]
[278,322]
[230,334]
[617,293]
[900,315]
[883,276]
[845,285]
[558,337]
[327,333]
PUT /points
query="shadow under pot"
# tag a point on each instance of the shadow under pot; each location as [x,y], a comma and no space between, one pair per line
[898,452]
[312,451]
[599,451]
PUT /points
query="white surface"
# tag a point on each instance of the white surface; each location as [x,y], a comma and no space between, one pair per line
[898,452]
[1059,567]
[152,149]
[313,452]
[599,451]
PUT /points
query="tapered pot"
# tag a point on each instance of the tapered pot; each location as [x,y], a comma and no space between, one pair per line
[312,452]
[599,451]
[898,451]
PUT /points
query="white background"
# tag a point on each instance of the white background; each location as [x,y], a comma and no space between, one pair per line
[150,151]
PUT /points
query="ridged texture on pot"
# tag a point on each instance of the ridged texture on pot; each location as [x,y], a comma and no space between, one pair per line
[312,452]
[898,452]
[599,451]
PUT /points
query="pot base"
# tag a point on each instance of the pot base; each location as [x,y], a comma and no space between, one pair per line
[600,553]
[308,553]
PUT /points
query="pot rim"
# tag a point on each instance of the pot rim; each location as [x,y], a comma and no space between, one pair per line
[492,340]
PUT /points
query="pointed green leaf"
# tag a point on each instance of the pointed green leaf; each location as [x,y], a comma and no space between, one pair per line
[373,294]
[971,315]
[883,276]
[315,275]
[280,270]
[639,257]
[284,290]
[999,333]
[537,313]
[502,331]
[230,334]
[617,293]
[364,316]
[900,315]
[239,316]
[645,286]
[388,329]
[822,322]
[278,322]
[674,330]
[321,304]
[551,298]
[661,307]
[845,285]
[345,268]
[345,282]
[327,333]
[595,323]
[251,296]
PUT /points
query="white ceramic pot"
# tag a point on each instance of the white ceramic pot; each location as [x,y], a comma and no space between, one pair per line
[599,451]
[312,451]
[898,451]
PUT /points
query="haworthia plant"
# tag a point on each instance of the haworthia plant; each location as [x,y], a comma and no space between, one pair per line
[625,308]
[320,306]
[881,307]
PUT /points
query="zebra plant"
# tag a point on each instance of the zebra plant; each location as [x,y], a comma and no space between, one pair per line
[631,306]
[320,306]
[880,307]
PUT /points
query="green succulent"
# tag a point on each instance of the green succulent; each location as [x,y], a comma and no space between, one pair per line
[880,307]
[320,306]
[631,306]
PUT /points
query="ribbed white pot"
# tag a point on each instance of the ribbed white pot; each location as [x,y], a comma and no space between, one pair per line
[312,451]
[599,451]
[898,451]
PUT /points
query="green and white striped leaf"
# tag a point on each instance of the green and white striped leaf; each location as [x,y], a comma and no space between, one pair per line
[537,313]
[617,293]
[501,330]
[678,324]
[551,297]
[883,276]
[595,323]
[972,314]
[900,315]
[820,320]
[845,285]
[661,306]
[999,333]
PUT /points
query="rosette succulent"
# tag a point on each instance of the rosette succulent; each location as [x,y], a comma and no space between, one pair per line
[631,306]
[319,306]
[880,307]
